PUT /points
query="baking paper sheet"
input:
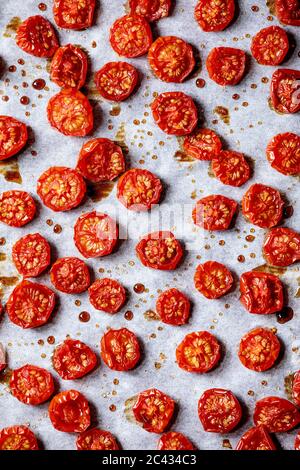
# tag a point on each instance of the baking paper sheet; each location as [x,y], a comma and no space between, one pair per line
[252,125]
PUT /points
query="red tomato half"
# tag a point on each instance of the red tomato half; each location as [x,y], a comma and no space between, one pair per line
[203,144]
[285,91]
[95,234]
[74,14]
[283,153]
[219,410]
[160,250]
[173,307]
[31,255]
[116,81]
[69,411]
[36,36]
[154,410]
[120,349]
[226,65]
[231,168]
[296,388]
[131,36]
[171,59]
[96,439]
[151,10]
[261,293]
[259,350]
[107,295]
[282,247]
[214,15]
[174,441]
[17,208]
[276,414]
[175,113]
[297,442]
[270,45]
[18,438]
[288,11]
[256,438]
[139,190]
[30,304]
[71,113]
[69,67]
[61,188]
[213,279]
[262,206]
[70,275]
[198,352]
[214,212]
[31,385]
[73,359]
[13,136]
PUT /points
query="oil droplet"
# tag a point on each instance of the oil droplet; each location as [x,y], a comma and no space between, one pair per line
[2,256]
[264,383]
[157,365]
[84,317]
[77,303]
[51,340]
[151,315]
[223,113]
[12,68]
[139,288]
[49,222]
[241,258]
[2,241]
[39,84]
[236,96]
[24,100]
[25,85]
[43,355]
[200,83]
[222,242]
[270,18]
[288,212]
[112,407]
[5,98]
[115,110]
[255,8]
[250,393]
[94,44]
[21,61]
[41,342]
[253,86]
[265,80]
[245,104]
[252,255]
[23,73]
[285,315]
[250,238]
[42,6]
[116,382]
[128,315]
[33,153]
[57,228]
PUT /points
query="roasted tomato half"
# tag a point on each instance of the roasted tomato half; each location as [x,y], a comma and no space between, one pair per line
[31,255]
[214,212]
[203,144]
[70,275]
[214,15]
[270,45]
[131,36]
[120,349]
[297,442]
[73,359]
[69,411]
[36,36]
[13,136]
[276,414]
[96,439]
[226,65]
[139,190]
[175,113]
[107,295]
[213,279]
[173,307]
[296,388]
[116,81]
[17,208]
[151,10]
[18,438]
[171,59]
[256,438]
[262,206]
[282,247]
[30,304]
[219,410]
[160,250]
[261,293]
[231,168]
[153,410]
[259,349]
[74,14]
[71,113]
[31,385]
[285,91]
[174,441]
[288,11]
[69,67]
[283,153]
[95,234]
[198,352]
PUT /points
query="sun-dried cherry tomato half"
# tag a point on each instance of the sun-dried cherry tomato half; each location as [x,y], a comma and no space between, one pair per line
[262,206]
[231,168]
[203,144]
[198,352]
[131,36]
[70,275]
[18,438]
[270,45]
[297,442]
[13,136]
[296,388]
[160,250]
[282,247]
[288,11]
[120,349]
[259,349]
[139,190]
[173,307]
[213,279]
[154,410]
[17,208]
[73,359]
[214,15]
[283,153]
[285,91]
[31,255]
[69,411]
[96,439]
[116,81]
[151,10]
[107,295]
[214,212]
[174,441]
[276,414]
[256,438]
[226,65]
[36,36]
[74,14]
[219,410]
[261,293]
[31,385]
[69,67]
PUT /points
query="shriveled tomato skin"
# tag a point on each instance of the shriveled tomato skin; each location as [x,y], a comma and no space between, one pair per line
[262,206]
[220,68]
[96,439]
[31,255]
[285,91]
[138,190]
[37,37]
[120,349]
[231,168]
[213,279]
[288,12]
[82,10]
[214,16]
[116,81]
[69,411]
[283,153]
[173,307]
[256,438]
[174,441]
[13,136]
[165,242]
[282,247]
[70,275]
[155,402]
[297,442]
[296,388]
[151,10]
[73,359]
[214,212]
[219,410]
[31,385]
[199,352]
[259,349]
[270,45]
[69,67]
[261,293]
[18,438]
[276,414]
[122,38]
[175,113]
[107,295]
[17,208]
[203,144]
